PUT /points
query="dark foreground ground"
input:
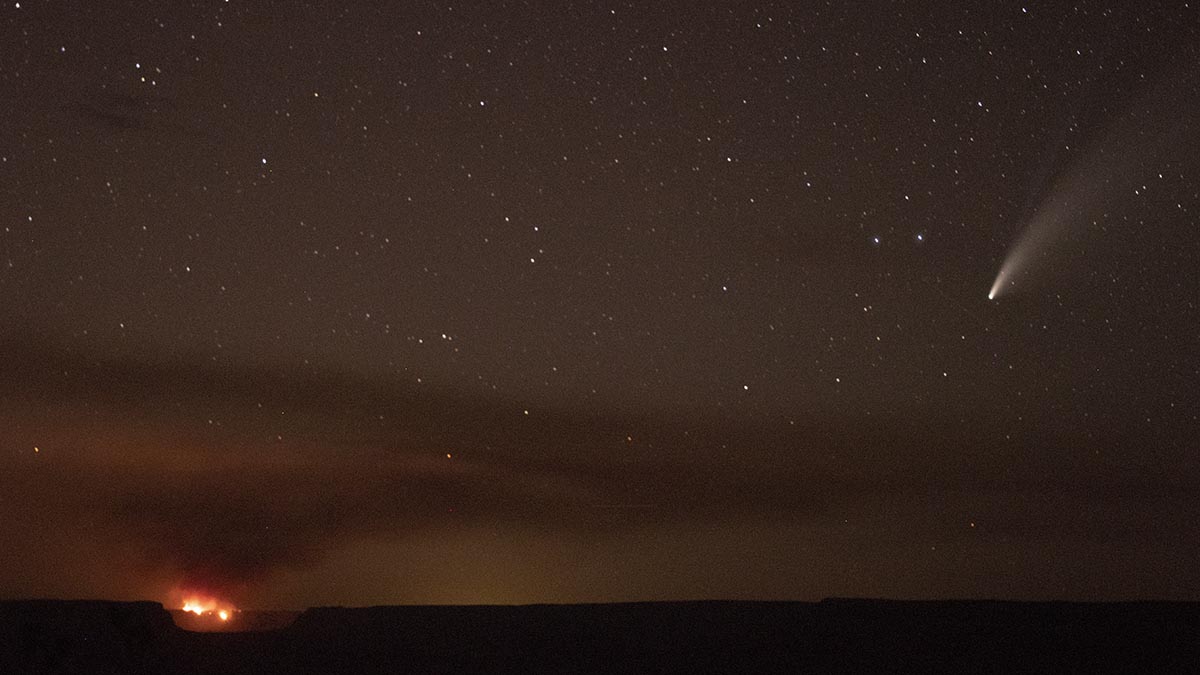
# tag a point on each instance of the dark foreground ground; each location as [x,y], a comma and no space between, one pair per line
[834,635]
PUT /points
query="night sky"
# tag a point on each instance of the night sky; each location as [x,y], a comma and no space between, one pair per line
[391,302]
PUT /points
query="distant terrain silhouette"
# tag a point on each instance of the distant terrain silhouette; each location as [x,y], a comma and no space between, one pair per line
[44,636]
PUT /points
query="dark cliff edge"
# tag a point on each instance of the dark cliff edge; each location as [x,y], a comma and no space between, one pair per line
[46,636]
[841,635]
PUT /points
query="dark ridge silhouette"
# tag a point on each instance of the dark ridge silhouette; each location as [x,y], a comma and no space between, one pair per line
[832,635]
[242,621]
[77,636]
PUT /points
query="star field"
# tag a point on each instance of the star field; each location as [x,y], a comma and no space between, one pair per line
[382,302]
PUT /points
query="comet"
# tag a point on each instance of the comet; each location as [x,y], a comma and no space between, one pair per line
[1045,232]
[1118,172]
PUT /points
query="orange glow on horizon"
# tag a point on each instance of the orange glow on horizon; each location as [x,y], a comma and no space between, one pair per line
[207,605]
